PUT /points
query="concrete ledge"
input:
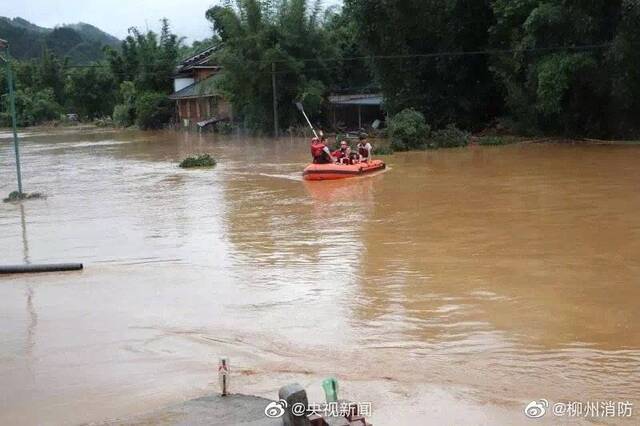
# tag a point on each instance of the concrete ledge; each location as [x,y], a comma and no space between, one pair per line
[209,410]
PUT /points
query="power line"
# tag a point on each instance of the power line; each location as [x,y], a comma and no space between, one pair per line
[413,55]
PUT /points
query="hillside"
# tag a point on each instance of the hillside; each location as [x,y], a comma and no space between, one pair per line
[82,43]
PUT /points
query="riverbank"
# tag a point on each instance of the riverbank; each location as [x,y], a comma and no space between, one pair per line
[383,145]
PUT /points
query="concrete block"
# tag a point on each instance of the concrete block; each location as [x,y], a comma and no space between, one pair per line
[295,395]
[336,421]
[316,420]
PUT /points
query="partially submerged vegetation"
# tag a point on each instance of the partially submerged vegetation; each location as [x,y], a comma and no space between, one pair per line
[495,140]
[199,160]
[19,196]
[383,150]
[409,130]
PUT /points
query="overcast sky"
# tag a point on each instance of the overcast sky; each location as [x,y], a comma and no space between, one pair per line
[116,16]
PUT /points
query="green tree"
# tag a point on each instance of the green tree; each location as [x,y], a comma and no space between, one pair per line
[91,91]
[147,59]
[560,77]
[153,110]
[142,70]
[32,107]
[256,34]
[416,41]
[352,72]
[124,114]
[51,74]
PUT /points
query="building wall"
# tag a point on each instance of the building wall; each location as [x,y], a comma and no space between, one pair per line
[202,73]
[350,117]
[191,111]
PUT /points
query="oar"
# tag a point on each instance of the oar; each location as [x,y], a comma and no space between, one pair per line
[301,108]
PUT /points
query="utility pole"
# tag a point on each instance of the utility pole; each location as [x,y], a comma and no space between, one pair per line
[275,99]
[4,45]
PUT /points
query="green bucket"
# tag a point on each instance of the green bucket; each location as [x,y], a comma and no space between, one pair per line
[330,387]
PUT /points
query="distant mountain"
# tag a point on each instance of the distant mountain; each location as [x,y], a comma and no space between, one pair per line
[81,43]
[91,33]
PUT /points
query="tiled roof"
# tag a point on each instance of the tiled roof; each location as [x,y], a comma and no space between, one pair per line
[202,58]
[373,99]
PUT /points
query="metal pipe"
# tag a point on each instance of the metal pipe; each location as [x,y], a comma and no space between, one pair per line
[275,100]
[26,269]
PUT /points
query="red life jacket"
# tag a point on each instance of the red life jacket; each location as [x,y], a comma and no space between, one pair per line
[317,148]
[341,153]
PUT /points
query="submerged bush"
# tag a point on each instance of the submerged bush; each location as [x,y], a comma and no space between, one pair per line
[33,107]
[408,130]
[383,150]
[224,127]
[17,196]
[450,137]
[495,140]
[153,110]
[123,115]
[201,160]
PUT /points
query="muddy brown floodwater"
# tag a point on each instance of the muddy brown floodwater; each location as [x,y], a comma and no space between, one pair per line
[458,286]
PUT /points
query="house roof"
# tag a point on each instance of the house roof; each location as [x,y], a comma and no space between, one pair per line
[202,59]
[201,89]
[370,99]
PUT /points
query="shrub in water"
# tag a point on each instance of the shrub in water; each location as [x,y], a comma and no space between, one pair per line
[123,115]
[17,196]
[383,150]
[408,130]
[495,140]
[450,137]
[153,110]
[224,127]
[202,160]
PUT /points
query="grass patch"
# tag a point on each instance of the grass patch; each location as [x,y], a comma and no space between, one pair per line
[19,196]
[200,160]
[496,140]
[383,150]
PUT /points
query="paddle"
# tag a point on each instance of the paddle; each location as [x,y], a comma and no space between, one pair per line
[301,108]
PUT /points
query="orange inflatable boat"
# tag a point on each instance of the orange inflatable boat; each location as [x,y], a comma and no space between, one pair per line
[341,171]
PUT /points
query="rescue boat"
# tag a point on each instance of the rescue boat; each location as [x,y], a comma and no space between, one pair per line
[341,171]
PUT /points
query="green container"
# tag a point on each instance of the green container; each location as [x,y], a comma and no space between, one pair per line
[330,387]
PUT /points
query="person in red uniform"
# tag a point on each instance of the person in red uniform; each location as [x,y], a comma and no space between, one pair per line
[320,152]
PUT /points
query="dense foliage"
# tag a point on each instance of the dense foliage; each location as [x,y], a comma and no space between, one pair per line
[537,66]
[587,86]
[408,130]
[153,110]
[142,69]
[257,34]
[131,85]
[407,36]
[449,137]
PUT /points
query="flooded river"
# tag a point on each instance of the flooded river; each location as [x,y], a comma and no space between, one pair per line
[455,288]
